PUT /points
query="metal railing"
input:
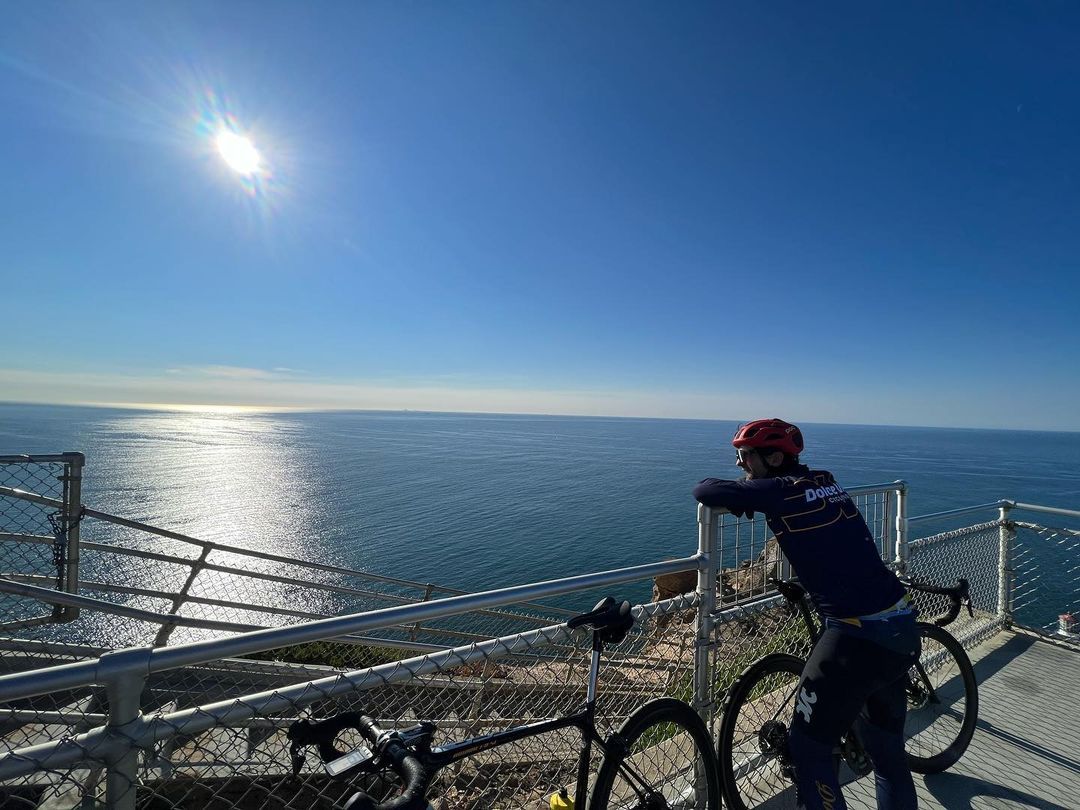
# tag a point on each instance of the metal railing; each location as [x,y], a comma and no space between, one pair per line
[39,534]
[686,648]
[1008,561]
[192,584]
[193,723]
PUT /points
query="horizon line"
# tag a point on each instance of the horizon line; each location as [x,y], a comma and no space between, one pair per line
[302,409]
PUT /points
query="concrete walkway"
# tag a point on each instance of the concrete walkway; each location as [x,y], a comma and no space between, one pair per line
[1026,749]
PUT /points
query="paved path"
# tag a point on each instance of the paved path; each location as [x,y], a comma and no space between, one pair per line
[1026,749]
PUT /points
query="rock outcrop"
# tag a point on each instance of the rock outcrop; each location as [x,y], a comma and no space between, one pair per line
[749,578]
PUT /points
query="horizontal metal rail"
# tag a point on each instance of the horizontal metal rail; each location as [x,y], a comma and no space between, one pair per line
[23,495]
[100,743]
[38,648]
[101,606]
[1007,504]
[1049,510]
[90,585]
[298,614]
[953,534]
[964,510]
[59,598]
[73,676]
[27,538]
[209,546]
[40,717]
[876,489]
[244,572]
[25,459]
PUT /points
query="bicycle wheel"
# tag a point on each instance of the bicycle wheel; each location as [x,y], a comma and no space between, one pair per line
[662,759]
[752,749]
[943,703]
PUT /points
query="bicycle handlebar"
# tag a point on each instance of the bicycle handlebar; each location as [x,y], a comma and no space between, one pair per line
[959,595]
[391,751]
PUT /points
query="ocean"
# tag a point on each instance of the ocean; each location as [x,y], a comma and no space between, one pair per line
[476,501]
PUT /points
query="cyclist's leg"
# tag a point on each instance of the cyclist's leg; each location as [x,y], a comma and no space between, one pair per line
[881,729]
[831,693]
[881,723]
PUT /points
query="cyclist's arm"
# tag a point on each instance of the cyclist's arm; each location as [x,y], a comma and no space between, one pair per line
[740,497]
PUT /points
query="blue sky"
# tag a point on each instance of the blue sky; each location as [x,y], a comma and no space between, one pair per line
[843,212]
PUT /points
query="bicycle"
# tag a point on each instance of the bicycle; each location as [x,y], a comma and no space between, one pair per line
[636,772]
[943,707]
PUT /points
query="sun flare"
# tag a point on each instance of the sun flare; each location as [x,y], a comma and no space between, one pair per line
[239,153]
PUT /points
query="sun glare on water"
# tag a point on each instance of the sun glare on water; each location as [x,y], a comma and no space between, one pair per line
[239,153]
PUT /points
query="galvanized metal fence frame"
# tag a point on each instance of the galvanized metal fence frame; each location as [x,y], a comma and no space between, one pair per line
[393,590]
[66,527]
[1006,527]
[123,673]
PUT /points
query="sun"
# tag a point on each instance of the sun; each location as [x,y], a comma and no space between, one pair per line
[239,153]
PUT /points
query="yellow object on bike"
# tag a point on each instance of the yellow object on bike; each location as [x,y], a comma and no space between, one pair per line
[561,800]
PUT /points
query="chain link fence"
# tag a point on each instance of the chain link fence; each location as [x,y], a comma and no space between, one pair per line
[974,553]
[234,752]
[1045,588]
[181,738]
[39,537]
[150,586]
[191,743]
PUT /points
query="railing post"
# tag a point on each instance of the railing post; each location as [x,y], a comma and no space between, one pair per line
[124,674]
[166,630]
[901,553]
[72,516]
[1006,535]
[706,589]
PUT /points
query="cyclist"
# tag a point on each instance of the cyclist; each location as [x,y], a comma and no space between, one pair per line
[856,670]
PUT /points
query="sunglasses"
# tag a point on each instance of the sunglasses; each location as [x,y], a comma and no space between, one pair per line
[742,454]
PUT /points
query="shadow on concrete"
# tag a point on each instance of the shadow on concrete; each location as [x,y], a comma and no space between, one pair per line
[995,661]
[956,791]
[1031,747]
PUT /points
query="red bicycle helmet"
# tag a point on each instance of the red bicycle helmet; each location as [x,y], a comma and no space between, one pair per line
[770,433]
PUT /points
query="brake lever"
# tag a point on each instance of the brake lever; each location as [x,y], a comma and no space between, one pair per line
[967,597]
[297,756]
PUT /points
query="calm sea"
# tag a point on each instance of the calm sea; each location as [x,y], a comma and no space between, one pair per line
[480,500]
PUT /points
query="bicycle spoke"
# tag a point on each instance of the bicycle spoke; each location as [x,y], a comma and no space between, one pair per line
[667,762]
[756,740]
[942,703]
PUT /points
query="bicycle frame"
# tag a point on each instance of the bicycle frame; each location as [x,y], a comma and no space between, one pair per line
[584,721]
[802,604]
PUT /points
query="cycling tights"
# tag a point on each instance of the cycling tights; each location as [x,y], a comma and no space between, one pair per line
[855,675]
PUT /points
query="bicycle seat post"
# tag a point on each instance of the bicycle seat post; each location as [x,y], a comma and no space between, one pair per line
[594,669]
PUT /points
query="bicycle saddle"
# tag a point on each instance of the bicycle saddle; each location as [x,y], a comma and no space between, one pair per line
[613,619]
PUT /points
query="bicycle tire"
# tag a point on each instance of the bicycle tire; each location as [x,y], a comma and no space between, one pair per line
[934,746]
[658,734]
[764,692]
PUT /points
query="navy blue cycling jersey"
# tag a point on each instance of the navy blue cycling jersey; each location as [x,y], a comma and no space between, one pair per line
[822,533]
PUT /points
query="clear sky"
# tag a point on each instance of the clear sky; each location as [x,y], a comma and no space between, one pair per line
[849,212]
